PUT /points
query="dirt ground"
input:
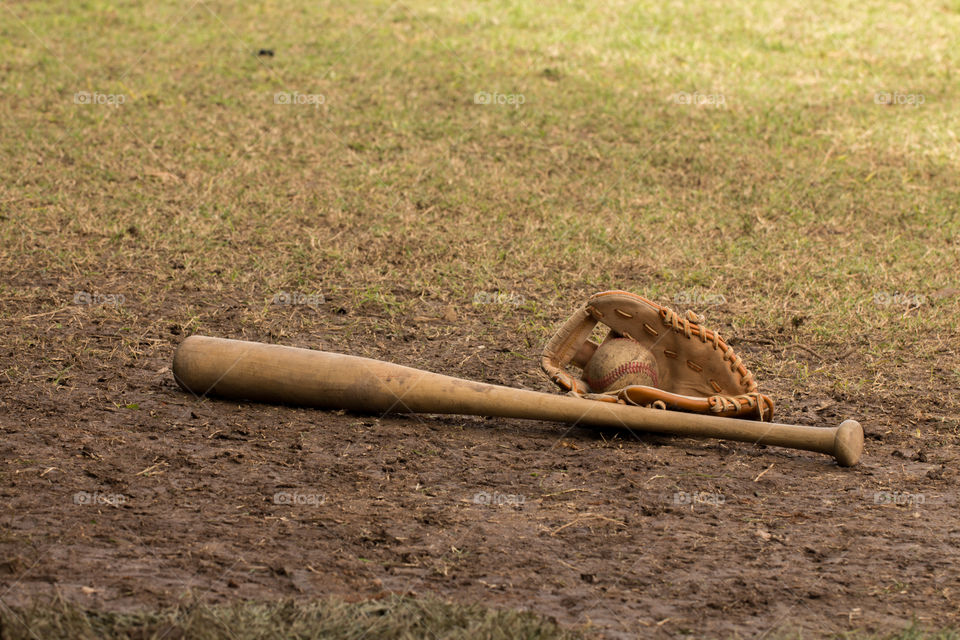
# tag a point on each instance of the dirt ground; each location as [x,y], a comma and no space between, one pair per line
[120,491]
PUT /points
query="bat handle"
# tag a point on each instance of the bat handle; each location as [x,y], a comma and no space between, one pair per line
[848,443]
[844,442]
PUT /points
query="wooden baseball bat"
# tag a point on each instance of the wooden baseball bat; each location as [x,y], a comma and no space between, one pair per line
[273,373]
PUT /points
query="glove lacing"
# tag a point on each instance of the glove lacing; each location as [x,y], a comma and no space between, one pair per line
[689,326]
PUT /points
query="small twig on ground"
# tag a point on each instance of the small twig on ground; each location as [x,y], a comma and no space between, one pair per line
[560,493]
[46,313]
[804,347]
[584,516]
[763,472]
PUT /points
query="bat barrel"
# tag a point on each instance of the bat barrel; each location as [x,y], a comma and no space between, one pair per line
[272,373]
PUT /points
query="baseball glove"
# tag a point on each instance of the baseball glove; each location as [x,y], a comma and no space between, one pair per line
[652,356]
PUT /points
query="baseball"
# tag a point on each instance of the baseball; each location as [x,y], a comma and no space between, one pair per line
[620,363]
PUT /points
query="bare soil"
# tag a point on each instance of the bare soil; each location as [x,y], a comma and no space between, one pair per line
[122,492]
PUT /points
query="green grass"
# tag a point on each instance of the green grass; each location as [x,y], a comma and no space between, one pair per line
[801,180]
[393,618]
[914,632]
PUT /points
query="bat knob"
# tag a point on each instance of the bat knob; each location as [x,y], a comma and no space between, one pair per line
[848,443]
